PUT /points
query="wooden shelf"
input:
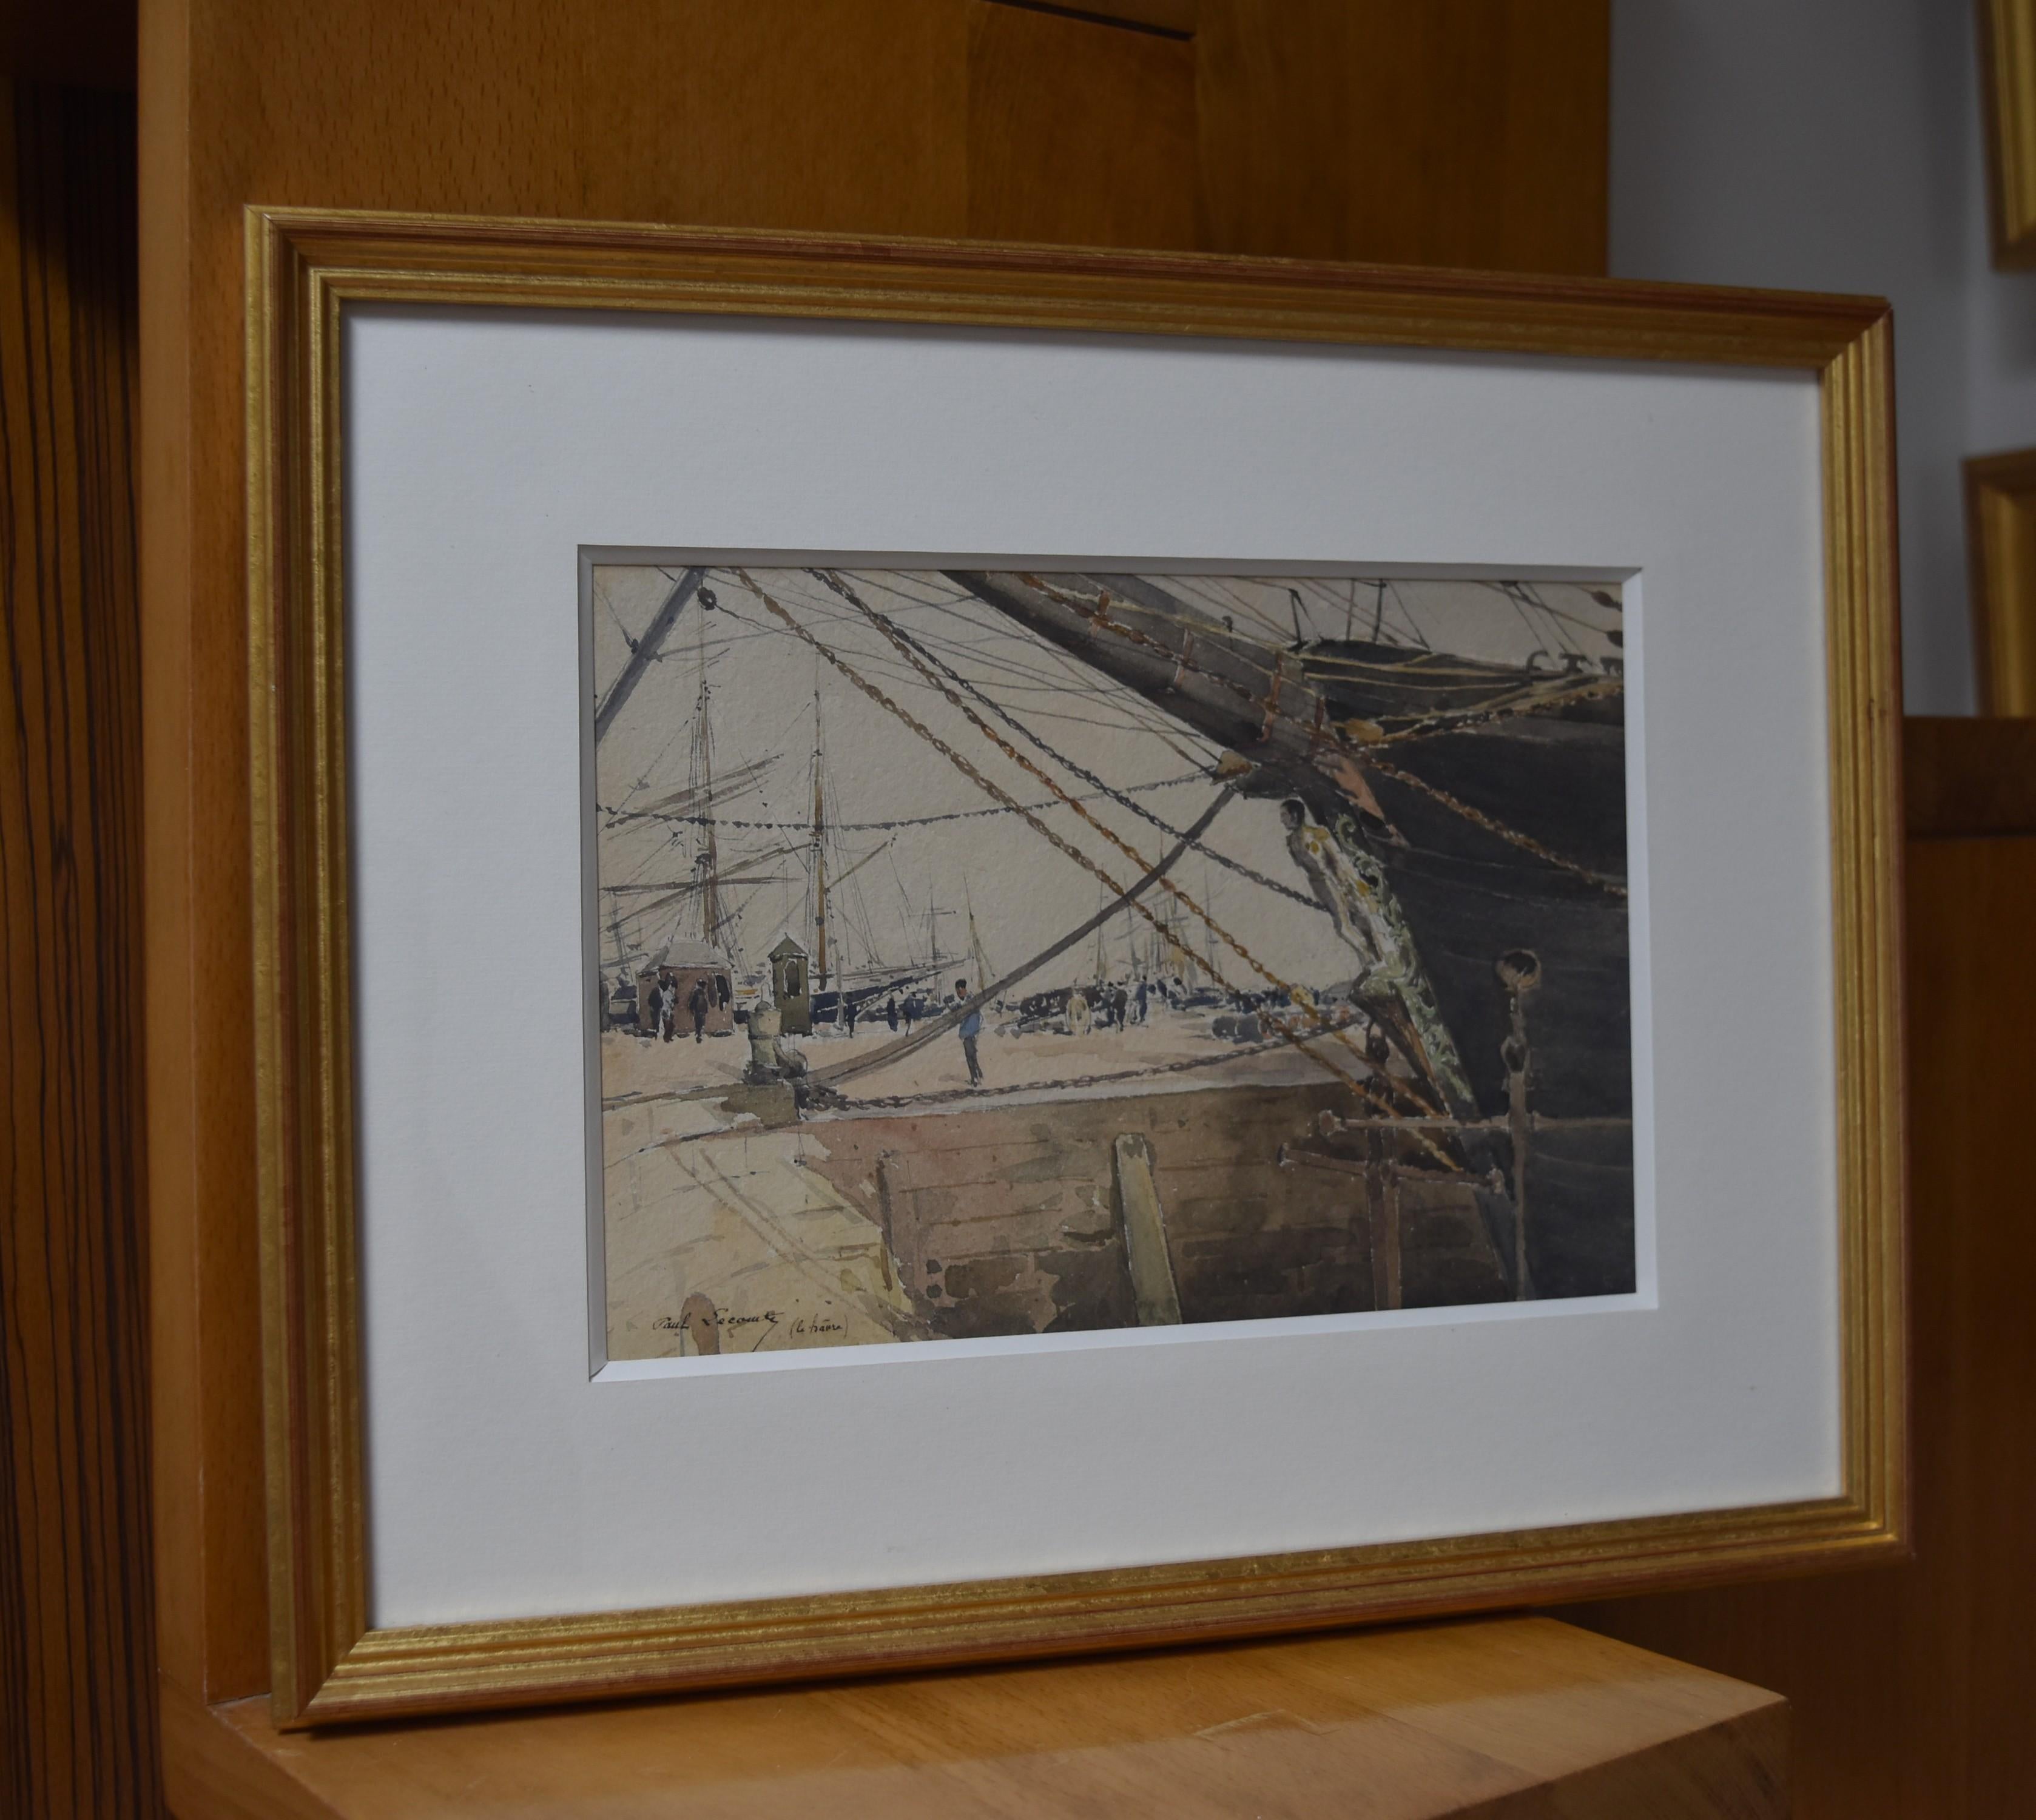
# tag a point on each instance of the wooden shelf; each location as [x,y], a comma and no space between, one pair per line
[1502,1717]
[1968,777]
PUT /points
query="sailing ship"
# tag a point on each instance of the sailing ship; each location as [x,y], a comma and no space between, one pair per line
[664,935]
[1493,797]
[664,928]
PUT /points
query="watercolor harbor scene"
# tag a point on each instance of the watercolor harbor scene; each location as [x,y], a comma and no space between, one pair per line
[1004,952]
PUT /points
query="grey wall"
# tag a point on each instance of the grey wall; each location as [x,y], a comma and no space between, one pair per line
[1834,145]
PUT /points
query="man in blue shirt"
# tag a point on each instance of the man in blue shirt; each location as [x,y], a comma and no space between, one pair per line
[971,1028]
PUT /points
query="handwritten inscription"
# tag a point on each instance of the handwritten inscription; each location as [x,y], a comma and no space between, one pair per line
[769,1320]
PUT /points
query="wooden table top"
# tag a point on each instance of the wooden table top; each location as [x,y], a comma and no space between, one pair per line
[1501,1717]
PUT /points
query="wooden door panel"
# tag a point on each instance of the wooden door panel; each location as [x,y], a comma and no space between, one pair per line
[1080,132]
[1450,132]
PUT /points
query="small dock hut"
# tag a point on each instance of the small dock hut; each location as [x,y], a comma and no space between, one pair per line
[791,985]
[686,964]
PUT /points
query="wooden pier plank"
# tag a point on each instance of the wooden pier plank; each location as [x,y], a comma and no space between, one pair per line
[1144,1233]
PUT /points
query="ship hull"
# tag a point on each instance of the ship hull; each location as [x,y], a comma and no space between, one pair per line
[1494,797]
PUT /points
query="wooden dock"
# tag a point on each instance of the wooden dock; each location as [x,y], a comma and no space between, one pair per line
[1055,1216]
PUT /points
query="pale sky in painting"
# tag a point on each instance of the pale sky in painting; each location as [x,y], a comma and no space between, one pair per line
[761,680]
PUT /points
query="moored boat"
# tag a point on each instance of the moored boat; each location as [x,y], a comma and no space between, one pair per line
[1491,795]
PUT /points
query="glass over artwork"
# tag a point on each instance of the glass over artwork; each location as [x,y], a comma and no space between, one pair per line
[1006,952]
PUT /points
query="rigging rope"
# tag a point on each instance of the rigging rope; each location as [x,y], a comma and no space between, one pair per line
[1357,1085]
[1103,789]
[618,814]
[1443,720]
[1304,999]
[1361,754]
[1152,1071]
[1455,719]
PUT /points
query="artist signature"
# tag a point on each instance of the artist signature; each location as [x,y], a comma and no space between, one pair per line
[804,1326]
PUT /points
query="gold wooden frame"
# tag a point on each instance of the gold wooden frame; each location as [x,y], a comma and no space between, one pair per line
[2007,82]
[2000,562]
[304,267]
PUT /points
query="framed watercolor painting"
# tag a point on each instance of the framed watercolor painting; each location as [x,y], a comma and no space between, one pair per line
[969,951]
[1342,835]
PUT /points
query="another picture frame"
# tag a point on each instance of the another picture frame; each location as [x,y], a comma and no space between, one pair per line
[2008,84]
[2000,559]
[335,1659]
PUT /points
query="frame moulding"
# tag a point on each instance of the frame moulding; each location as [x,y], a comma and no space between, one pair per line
[304,267]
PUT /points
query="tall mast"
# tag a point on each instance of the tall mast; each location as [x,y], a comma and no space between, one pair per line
[1208,926]
[820,858]
[709,856]
[985,972]
[934,914]
[615,931]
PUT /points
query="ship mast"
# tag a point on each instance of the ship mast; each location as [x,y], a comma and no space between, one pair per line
[1209,924]
[708,864]
[985,972]
[615,933]
[819,859]
[934,914]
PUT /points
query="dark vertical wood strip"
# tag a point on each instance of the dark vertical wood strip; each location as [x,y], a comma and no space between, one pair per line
[77,1732]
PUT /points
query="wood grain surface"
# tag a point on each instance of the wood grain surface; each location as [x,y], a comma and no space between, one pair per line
[1514,1719]
[1965,775]
[1080,132]
[77,1731]
[1909,1686]
[1465,133]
